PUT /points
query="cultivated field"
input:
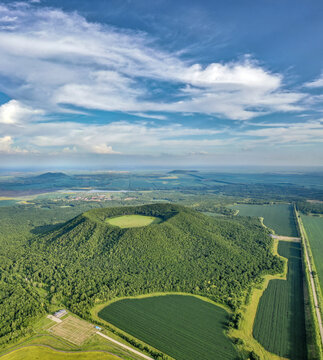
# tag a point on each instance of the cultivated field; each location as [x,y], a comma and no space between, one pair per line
[73,329]
[182,326]
[278,217]
[280,321]
[128,221]
[46,353]
[314,230]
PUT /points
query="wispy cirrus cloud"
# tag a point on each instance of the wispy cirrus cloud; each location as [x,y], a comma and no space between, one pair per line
[113,138]
[51,59]
[317,83]
[293,133]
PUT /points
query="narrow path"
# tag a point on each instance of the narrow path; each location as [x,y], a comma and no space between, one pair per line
[124,346]
[316,303]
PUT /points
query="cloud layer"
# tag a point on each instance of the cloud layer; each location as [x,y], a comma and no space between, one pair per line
[55,64]
[59,59]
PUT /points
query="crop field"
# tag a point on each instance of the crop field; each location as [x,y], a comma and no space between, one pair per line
[314,230]
[73,329]
[280,321]
[127,221]
[278,217]
[46,353]
[184,327]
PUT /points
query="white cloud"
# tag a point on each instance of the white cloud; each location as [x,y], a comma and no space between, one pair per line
[297,133]
[6,146]
[51,58]
[117,137]
[103,149]
[14,112]
[316,83]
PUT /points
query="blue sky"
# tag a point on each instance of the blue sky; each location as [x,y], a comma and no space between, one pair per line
[161,83]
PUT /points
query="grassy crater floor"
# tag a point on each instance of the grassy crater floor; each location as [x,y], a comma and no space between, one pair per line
[182,326]
[128,221]
[46,353]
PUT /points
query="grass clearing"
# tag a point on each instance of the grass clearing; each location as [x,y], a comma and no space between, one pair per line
[46,353]
[280,320]
[182,326]
[75,330]
[279,217]
[129,221]
[314,230]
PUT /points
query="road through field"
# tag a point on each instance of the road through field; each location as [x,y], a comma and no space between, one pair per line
[286,238]
[124,346]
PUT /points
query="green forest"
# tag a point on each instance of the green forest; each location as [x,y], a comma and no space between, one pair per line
[85,260]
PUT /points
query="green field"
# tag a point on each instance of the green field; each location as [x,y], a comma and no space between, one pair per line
[314,230]
[280,321]
[128,221]
[278,217]
[182,326]
[45,353]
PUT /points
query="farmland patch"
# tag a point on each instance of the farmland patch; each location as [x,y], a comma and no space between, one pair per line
[279,217]
[314,230]
[47,353]
[280,321]
[182,326]
[75,330]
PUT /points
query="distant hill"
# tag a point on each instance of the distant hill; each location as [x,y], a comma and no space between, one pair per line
[88,260]
[52,175]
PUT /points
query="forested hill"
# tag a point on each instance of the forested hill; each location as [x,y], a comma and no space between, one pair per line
[87,260]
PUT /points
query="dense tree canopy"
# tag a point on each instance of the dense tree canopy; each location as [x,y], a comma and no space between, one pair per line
[87,260]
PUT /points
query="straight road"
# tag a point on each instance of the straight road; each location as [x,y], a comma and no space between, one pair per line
[125,346]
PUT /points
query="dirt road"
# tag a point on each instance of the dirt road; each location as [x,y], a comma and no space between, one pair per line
[286,238]
[124,346]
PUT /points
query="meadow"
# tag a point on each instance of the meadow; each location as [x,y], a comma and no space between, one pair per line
[314,230]
[182,326]
[128,221]
[278,217]
[46,353]
[280,321]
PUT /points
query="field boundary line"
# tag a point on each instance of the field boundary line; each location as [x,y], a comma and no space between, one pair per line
[314,298]
[95,310]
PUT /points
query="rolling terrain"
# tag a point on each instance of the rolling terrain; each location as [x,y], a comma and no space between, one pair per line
[86,260]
